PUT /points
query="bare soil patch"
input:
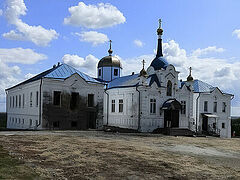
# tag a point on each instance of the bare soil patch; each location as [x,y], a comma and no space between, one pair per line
[99,155]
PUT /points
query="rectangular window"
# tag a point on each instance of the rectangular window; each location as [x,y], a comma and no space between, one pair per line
[74,100]
[30,122]
[115,72]
[113,105]
[153,106]
[223,125]
[56,98]
[31,99]
[224,107]
[19,120]
[215,107]
[10,104]
[120,105]
[15,120]
[56,124]
[205,106]
[36,123]
[16,101]
[19,101]
[23,101]
[13,102]
[22,121]
[90,100]
[183,110]
[37,98]
[99,72]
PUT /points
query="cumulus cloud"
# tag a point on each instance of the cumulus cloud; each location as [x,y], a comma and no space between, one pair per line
[237,33]
[87,64]
[210,49]
[94,16]
[93,37]
[138,43]
[9,76]
[24,32]
[20,55]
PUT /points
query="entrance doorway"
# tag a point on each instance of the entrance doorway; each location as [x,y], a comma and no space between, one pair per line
[91,120]
[171,118]
[205,123]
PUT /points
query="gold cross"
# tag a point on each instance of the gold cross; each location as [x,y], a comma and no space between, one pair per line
[143,61]
[160,21]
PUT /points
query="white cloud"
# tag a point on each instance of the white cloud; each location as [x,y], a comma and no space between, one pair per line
[93,37]
[1,12]
[9,76]
[138,43]
[20,55]
[87,64]
[24,32]
[94,16]
[29,75]
[237,33]
[210,49]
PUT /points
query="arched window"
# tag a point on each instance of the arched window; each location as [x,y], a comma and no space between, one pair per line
[169,88]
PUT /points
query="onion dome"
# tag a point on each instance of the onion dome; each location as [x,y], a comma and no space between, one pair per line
[190,78]
[159,62]
[143,72]
[110,61]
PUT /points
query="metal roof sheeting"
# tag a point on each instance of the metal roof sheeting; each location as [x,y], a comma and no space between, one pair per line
[199,86]
[62,71]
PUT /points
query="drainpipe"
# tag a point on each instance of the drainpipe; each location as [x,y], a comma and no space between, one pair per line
[40,103]
[139,111]
[107,104]
[197,113]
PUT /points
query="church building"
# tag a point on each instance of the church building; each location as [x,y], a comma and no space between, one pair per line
[154,100]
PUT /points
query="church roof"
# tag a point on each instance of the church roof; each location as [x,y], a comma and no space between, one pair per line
[199,86]
[109,61]
[132,81]
[62,71]
[159,63]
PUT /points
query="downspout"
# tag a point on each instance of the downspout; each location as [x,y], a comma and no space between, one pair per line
[197,113]
[139,111]
[40,103]
[107,104]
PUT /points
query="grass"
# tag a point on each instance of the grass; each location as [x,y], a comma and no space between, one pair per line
[12,168]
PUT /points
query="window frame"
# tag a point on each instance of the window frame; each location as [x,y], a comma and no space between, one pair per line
[113,106]
[183,109]
[215,106]
[55,102]
[120,106]
[205,106]
[115,72]
[153,106]
[169,88]
[224,105]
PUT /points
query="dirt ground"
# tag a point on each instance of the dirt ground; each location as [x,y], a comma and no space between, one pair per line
[100,155]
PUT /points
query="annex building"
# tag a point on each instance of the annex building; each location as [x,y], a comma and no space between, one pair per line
[151,100]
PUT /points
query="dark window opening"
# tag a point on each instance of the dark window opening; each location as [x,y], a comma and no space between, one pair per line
[223,125]
[115,72]
[183,110]
[74,124]
[113,105]
[205,106]
[56,124]
[90,100]
[56,98]
[120,105]
[99,72]
[153,106]
[169,88]
[74,100]
[215,107]
[224,107]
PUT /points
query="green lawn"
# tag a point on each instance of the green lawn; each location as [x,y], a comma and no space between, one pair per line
[11,168]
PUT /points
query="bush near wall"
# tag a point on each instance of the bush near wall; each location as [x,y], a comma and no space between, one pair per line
[3,120]
[236,126]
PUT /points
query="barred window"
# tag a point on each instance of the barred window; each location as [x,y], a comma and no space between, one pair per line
[113,105]
[183,110]
[153,106]
[120,105]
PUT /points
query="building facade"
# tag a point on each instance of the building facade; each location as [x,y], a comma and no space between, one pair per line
[154,99]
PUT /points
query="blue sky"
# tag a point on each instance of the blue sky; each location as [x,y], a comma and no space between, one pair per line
[202,34]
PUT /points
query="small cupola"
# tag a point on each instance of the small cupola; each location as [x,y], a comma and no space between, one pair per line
[143,72]
[109,67]
[190,78]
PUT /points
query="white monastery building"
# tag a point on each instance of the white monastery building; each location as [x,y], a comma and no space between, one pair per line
[154,100]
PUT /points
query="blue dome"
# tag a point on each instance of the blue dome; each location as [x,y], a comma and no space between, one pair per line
[158,63]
